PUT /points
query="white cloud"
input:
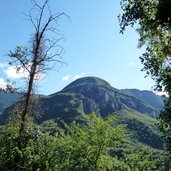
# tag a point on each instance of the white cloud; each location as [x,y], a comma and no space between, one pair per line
[17,72]
[73,77]
[161,93]
[66,78]
[132,64]
[2,83]
[79,75]
[14,73]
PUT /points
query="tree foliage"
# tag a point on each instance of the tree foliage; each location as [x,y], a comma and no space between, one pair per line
[73,148]
[95,146]
[152,20]
[154,33]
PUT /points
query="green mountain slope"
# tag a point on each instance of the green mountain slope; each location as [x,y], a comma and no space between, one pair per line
[141,127]
[87,95]
[149,97]
[107,98]
[91,94]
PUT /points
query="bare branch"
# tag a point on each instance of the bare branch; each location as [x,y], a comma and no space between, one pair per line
[41,56]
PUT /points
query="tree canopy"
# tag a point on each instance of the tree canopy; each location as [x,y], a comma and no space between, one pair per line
[152,20]
[97,145]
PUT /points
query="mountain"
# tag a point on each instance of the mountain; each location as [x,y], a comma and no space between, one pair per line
[149,97]
[87,95]
[141,128]
[106,98]
[92,94]
[7,99]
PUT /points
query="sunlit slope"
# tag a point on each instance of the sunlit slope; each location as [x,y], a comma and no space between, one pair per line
[141,127]
[92,94]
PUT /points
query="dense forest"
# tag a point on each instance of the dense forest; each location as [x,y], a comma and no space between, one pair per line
[89,125]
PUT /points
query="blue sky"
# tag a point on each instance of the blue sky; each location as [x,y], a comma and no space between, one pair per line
[93,45]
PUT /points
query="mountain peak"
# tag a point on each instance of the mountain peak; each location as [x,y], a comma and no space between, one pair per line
[88,80]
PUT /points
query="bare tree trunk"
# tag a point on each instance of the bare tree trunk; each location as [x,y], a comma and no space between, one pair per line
[40,55]
[31,81]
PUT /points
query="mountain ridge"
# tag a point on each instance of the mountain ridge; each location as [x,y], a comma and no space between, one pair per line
[147,96]
[97,94]
[88,88]
[92,94]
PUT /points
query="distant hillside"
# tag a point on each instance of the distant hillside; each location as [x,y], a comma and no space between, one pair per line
[141,127]
[92,94]
[149,97]
[7,99]
[97,95]
[87,95]
[106,98]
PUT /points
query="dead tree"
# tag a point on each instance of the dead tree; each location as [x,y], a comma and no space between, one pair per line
[42,55]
